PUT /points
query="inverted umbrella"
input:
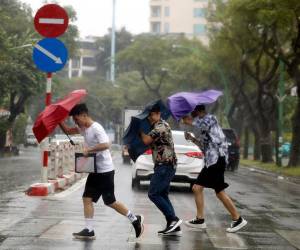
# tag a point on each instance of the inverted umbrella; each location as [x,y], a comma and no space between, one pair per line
[55,113]
[139,123]
[182,103]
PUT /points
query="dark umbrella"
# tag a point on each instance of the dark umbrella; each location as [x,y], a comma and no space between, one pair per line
[180,104]
[55,113]
[140,123]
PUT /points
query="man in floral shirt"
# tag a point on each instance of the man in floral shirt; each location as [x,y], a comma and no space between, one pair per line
[164,158]
[212,141]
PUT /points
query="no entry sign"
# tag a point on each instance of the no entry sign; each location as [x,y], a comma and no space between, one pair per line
[51,20]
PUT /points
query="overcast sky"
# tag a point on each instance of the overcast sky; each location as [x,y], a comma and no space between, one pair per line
[95,16]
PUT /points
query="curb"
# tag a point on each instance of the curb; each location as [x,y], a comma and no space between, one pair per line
[253,168]
[45,189]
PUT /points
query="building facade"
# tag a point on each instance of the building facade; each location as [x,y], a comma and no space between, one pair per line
[179,16]
[85,62]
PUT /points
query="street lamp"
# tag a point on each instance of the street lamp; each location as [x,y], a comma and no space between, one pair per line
[113,44]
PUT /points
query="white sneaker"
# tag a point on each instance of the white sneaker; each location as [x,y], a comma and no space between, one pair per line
[196,223]
[237,225]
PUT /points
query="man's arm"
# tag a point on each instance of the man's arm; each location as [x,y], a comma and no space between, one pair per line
[69,130]
[188,136]
[97,148]
[147,139]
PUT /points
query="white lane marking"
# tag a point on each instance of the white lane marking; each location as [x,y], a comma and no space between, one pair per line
[51,21]
[49,54]
[221,239]
[292,236]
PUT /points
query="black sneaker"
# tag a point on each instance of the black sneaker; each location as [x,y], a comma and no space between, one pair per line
[164,230]
[176,232]
[237,225]
[138,225]
[85,234]
[196,223]
[173,225]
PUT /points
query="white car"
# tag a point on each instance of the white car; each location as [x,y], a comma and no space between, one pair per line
[190,162]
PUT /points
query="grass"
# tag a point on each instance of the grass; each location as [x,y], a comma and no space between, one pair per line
[272,167]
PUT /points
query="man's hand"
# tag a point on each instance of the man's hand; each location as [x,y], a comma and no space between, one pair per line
[147,140]
[188,136]
[85,152]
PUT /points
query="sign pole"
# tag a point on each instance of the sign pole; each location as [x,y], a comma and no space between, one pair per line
[48,89]
[49,55]
[45,144]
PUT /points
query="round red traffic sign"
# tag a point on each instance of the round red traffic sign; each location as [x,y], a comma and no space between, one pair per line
[51,20]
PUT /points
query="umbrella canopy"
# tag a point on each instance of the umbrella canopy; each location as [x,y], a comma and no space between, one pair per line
[182,103]
[139,123]
[55,113]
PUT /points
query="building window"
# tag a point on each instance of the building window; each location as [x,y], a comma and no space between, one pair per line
[155,11]
[199,12]
[167,28]
[199,29]
[155,27]
[167,11]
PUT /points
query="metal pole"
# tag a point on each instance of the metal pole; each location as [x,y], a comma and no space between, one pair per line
[113,44]
[280,111]
[45,142]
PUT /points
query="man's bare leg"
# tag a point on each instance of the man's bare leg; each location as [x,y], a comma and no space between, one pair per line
[199,200]
[229,205]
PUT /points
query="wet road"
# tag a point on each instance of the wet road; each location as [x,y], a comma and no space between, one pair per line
[18,172]
[271,206]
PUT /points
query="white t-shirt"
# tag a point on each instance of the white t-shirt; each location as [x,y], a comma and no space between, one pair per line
[93,135]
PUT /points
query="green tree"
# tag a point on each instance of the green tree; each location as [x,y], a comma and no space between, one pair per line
[103,44]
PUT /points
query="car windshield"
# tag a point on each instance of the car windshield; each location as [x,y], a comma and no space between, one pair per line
[180,140]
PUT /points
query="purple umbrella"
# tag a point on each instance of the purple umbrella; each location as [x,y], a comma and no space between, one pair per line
[182,103]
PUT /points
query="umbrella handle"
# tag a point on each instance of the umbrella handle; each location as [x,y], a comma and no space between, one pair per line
[70,140]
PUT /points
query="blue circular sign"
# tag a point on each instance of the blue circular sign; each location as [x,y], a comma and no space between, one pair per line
[50,55]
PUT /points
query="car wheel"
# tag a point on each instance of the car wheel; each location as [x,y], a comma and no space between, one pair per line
[230,166]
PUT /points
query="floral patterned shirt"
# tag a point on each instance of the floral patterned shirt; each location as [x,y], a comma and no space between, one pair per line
[162,147]
[212,139]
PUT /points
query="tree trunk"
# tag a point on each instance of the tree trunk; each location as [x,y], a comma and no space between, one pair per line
[2,139]
[277,147]
[266,147]
[246,143]
[257,149]
[295,149]
[4,126]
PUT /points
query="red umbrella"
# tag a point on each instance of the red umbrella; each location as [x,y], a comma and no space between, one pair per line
[55,113]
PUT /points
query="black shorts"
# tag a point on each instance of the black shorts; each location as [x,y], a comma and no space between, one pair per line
[213,176]
[100,184]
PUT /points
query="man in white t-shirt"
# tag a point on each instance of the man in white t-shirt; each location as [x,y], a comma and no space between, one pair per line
[100,183]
